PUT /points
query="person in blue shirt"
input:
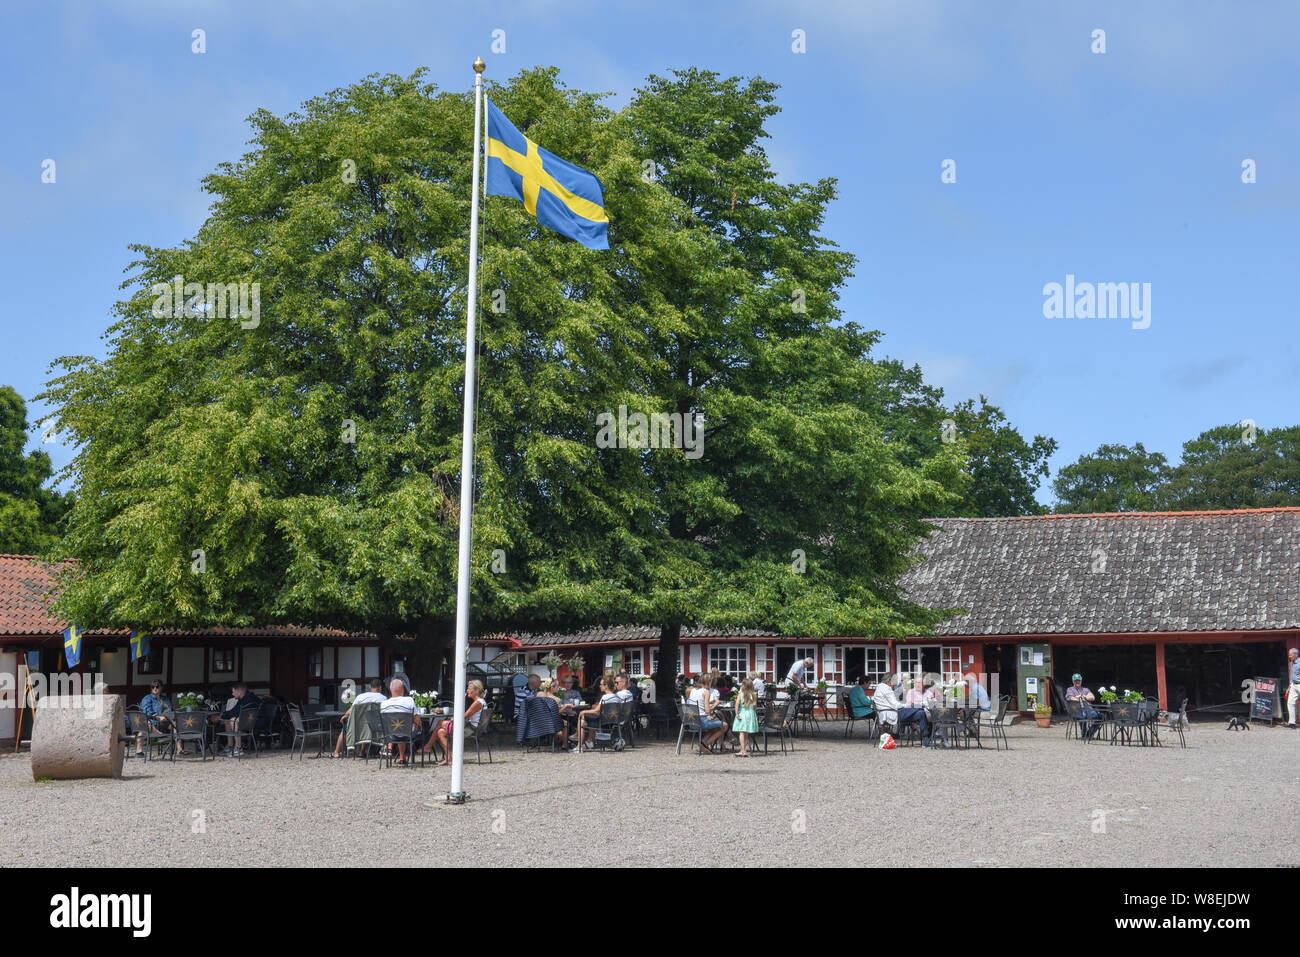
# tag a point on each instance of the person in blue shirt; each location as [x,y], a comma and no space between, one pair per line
[153,705]
[859,701]
[977,695]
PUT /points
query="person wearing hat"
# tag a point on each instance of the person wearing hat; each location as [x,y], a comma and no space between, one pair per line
[1293,690]
[1077,692]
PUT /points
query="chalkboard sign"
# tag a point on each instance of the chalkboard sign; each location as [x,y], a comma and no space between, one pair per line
[1261,708]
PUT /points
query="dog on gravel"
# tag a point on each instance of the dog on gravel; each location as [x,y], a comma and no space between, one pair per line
[1239,723]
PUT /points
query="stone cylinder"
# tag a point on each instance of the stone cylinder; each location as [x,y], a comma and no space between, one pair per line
[78,736]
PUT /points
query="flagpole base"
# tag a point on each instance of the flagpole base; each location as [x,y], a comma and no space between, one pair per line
[457,797]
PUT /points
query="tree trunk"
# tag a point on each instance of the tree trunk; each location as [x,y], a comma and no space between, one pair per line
[666,677]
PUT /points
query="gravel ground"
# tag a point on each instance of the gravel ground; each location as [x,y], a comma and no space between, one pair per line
[1223,801]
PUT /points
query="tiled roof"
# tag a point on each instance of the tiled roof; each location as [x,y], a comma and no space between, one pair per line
[617,634]
[24,590]
[1115,572]
[26,583]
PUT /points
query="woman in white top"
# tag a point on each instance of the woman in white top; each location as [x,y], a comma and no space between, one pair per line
[607,696]
[703,698]
[473,715]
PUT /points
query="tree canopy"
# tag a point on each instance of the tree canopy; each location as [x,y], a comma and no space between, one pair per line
[30,512]
[1228,466]
[1115,478]
[299,461]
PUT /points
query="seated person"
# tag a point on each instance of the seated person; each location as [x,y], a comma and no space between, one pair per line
[889,711]
[400,703]
[593,713]
[473,715]
[623,687]
[241,699]
[859,703]
[529,690]
[704,698]
[760,686]
[153,705]
[375,694]
[915,696]
[1077,692]
[976,694]
[550,689]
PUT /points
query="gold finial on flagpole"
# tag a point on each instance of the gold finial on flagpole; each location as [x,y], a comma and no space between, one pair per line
[479,65]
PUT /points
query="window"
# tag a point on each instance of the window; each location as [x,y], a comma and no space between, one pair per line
[632,660]
[315,663]
[811,674]
[877,662]
[150,664]
[832,663]
[909,660]
[223,661]
[951,662]
[730,660]
[654,660]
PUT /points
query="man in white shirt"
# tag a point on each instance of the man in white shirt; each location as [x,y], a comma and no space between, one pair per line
[622,688]
[376,694]
[759,684]
[402,704]
[889,711]
[798,670]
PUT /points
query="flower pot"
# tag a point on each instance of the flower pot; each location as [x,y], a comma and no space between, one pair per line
[1044,720]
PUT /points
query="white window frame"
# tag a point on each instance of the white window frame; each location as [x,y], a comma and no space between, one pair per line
[880,654]
[639,655]
[808,651]
[728,654]
[950,655]
[654,661]
[911,654]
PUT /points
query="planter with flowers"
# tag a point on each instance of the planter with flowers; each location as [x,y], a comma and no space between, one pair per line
[189,701]
[552,661]
[1043,715]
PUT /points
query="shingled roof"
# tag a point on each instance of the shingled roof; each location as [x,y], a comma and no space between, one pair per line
[26,586]
[1116,572]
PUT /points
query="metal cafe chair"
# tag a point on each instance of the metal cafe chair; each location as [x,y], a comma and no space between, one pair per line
[304,729]
[1127,721]
[138,724]
[191,726]
[244,726]
[690,716]
[779,719]
[399,728]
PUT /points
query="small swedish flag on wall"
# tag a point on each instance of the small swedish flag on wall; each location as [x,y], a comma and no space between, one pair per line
[139,644]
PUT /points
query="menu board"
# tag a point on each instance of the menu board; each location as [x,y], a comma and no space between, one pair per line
[1261,707]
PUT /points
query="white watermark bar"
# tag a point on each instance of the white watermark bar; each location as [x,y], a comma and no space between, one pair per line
[84,692]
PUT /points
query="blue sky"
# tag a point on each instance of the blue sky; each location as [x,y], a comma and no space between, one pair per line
[1115,167]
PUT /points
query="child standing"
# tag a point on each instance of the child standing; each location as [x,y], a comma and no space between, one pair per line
[746,722]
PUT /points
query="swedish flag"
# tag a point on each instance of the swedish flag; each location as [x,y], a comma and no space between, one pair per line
[139,644]
[563,197]
[72,645]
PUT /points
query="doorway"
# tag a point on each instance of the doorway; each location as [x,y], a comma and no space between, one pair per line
[855,664]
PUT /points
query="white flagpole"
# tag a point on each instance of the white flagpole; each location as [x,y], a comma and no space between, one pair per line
[457,793]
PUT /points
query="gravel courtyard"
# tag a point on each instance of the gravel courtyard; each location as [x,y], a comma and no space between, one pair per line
[1048,801]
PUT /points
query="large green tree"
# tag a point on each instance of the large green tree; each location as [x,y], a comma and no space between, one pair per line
[1115,478]
[302,465]
[29,511]
[1231,466]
